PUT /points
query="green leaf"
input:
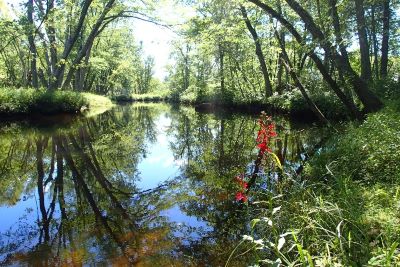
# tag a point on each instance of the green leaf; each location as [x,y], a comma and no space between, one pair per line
[278,162]
[254,222]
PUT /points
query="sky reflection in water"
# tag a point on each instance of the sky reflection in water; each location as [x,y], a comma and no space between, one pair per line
[146,184]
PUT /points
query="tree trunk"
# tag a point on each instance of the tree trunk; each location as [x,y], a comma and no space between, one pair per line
[363,41]
[370,101]
[375,43]
[338,31]
[385,39]
[32,46]
[279,86]
[259,53]
[58,73]
[221,70]
[298,83]
[324,72]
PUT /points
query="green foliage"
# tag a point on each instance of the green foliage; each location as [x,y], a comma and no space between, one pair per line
[26,101]
[162,95]
[95,101]
[343,210]
[369,152]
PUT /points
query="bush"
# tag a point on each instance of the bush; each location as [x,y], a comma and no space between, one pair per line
[294,103]
[122,98]
[23,101]
[162,95]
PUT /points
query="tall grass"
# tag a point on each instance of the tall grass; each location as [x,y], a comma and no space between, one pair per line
[345,208]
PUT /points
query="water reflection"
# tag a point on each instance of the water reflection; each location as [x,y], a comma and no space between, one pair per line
[138,185]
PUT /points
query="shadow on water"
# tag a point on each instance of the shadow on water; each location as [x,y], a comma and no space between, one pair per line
[137,185]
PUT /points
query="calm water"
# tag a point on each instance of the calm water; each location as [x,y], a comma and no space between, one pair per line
[146,185]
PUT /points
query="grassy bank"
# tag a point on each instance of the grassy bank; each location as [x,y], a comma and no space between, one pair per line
[149,97]
[292,102]
[344,210]
[31,101]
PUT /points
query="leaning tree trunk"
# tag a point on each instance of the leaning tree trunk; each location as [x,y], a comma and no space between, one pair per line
[363,41]
[338,32]
[324,72]
[259,52]
[298,83]
[370,101]
[97,28]
[58,72]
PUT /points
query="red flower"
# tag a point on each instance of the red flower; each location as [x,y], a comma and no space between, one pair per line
[241,197]
[262,146]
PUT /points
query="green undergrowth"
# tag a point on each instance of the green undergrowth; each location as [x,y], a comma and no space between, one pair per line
[343,210]
[97,101]
[291,102]
[149,97]
[27,101]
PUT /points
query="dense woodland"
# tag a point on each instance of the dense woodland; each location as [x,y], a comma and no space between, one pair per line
[253,50]
[229,52]
[75,45]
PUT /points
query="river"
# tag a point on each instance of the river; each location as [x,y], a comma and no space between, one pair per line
[141,184]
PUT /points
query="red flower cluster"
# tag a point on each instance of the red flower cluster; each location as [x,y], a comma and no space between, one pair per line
[240,180]
[241,196]
[267,130]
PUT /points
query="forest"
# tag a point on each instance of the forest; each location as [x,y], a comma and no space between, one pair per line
[275,125]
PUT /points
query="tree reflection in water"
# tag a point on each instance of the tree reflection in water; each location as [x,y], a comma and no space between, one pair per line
[82,181]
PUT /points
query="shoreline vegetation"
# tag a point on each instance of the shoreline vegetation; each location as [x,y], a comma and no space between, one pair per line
[28,101]
[343,210]
[344,207]
[288,103]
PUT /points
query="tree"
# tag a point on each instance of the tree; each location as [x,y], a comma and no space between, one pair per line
[259,52]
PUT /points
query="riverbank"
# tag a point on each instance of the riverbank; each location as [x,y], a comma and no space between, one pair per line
[344,210]
[291,103]
[27,101]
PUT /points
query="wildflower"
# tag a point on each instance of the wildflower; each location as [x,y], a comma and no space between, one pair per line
[241,197]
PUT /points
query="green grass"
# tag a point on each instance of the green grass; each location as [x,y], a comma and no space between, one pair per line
[27,101]
[97,101]
[149,97]
[345,209]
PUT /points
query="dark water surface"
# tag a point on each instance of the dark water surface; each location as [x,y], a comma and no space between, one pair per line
[145,185]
